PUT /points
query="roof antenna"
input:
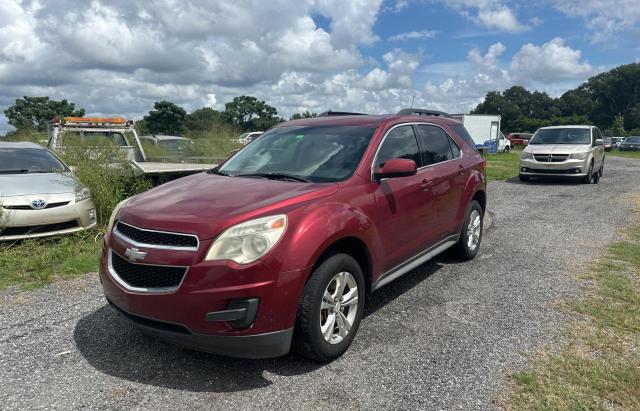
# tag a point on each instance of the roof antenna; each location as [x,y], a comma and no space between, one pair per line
[412,100]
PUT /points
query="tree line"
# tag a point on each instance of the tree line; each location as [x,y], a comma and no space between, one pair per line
[608,100]
[244,113]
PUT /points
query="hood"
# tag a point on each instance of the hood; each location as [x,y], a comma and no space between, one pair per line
[205,204]
[37,183]
[557,148]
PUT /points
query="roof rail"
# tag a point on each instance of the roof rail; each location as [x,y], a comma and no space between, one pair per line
[421,112]
[88,122]
[339,113]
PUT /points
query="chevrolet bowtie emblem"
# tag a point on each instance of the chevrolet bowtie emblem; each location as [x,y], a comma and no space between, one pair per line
[134,254]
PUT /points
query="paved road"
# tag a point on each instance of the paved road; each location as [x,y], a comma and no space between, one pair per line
[447,335]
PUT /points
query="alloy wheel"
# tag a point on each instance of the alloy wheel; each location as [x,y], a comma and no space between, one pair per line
[339,307]
[474,230]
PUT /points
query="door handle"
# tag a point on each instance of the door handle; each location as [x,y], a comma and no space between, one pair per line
[460,170]
[425,185]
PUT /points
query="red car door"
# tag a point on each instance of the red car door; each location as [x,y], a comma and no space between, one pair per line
[403,204]
[444,174]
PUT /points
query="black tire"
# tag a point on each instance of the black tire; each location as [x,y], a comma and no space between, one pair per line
[589,177]
[507,149]
[462,250]
[524,178]
[601,171]
[308,339]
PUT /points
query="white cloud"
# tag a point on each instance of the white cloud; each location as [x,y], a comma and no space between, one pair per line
[491,14]
[549,63]
[604,18]
[414,35]
[118,57]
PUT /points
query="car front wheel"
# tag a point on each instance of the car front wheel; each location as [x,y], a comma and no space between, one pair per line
[330,310]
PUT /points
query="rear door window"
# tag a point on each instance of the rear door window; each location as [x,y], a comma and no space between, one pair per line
[400,143]
[435,144]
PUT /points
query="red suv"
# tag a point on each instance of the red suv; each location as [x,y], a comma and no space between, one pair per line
[285,242]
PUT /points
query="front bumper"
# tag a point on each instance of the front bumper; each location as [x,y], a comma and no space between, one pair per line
[266,345]
[210,309]
[18,223]
[568,168]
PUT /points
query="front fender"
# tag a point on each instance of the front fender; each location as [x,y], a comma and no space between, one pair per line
[315,228]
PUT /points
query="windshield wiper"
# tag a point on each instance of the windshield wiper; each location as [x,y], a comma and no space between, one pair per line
[21,171]
[217,172]
[276,176]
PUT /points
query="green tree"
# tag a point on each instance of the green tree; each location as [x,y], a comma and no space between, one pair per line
[166,118]
[617,127]
[36,112]
[632,117]
[249,113]
[204,119]
[306,114]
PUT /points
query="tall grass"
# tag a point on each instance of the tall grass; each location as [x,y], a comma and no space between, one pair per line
[103,170]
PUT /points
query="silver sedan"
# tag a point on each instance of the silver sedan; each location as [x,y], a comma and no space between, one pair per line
[39,195]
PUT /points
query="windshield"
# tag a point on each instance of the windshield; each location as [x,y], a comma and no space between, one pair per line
[632,140]
[562,136]
[316,154]
[29,160]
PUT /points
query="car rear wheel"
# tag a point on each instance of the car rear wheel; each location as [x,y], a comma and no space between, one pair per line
[471,235]
[331,309]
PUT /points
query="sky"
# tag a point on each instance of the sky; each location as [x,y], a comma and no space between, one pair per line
[118,57]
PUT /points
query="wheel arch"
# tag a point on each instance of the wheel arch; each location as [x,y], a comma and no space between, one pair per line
[353,247]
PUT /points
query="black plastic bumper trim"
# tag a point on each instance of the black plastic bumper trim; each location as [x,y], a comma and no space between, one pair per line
[239,313]
[266,345]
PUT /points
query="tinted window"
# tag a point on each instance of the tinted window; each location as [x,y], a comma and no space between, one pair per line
[462,132]
[399,143]
[454,148]
[435,144]
[28,160]
[318,153]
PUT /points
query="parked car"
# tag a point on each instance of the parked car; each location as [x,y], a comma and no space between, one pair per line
[39,195]
[504,144]
[519,139]
[172,144]
[572,151]
[630,144]
[617,141]
[608,144]
[246,138]
[288,237]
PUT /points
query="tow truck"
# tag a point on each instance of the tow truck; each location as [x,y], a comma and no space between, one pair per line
[116,131]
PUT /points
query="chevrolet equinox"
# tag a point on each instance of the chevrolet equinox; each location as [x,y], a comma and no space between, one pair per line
[283,244]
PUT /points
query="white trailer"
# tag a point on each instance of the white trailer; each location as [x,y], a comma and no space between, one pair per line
[485,130]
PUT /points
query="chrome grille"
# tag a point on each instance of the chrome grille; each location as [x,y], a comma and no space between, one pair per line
[551,158]
[154,238]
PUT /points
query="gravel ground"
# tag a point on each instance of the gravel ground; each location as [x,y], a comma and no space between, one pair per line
[447,335]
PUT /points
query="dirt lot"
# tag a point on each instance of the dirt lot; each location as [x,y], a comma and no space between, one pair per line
[447,335]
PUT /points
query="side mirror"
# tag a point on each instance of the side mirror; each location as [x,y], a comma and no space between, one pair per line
[73,169]
[396,167]
[599,142]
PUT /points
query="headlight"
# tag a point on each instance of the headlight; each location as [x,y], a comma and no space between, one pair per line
[526,155]
[114,214]
[579,156]
[82,193]
[246,242]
